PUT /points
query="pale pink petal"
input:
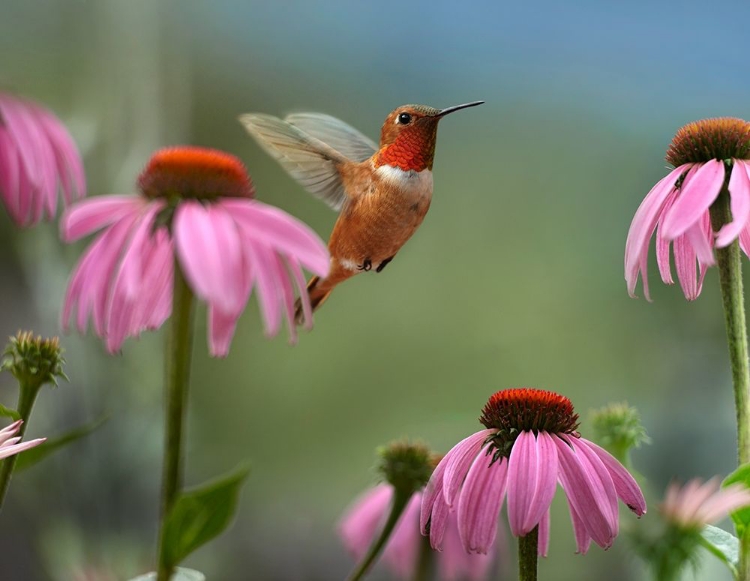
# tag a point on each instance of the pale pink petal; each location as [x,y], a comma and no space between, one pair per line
[685,263]
[281,231]
[480,501]
[301,285]
[532,479]
[362,520]
[724,502]
[697,193]
[745,241]
[662,244]
[6,451]
[454,563]
[625,485]
[221,327]
[261,263]
[701,243]
[158,274]
[401,552]
[9,174]
[462,456]
[438,521]
[95,213]
[10,431]
[433,490]
[287,296]
[583,539]
[739,192]
[591,496]
[643,225]
[543,542]
[208,246]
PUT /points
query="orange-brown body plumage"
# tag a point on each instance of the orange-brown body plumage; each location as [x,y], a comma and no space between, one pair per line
[383,192]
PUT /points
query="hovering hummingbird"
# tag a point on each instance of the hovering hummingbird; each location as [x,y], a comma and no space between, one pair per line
[383,193]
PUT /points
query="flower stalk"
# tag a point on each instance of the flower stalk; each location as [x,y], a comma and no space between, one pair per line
[424,562]
[528,547]
[400,500]
[177,366]
[730,280]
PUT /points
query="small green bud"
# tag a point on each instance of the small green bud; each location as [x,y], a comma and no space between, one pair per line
[406,466]
[618,428]
[33,360]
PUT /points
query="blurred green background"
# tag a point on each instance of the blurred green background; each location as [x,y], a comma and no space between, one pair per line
[514,279]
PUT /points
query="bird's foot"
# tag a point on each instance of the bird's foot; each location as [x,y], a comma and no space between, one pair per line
[366,265]
[383,264]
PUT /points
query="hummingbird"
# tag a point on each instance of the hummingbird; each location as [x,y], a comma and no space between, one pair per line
[382,192]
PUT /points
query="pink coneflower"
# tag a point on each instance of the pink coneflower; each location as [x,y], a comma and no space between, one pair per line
[11,444]
[366,517]
[36,155]
[530,445]
[708,156]
[196,205]
[697,504]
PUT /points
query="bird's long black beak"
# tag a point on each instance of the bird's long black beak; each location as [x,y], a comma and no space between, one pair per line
[457,107]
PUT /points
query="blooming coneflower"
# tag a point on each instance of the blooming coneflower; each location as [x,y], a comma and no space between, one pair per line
[530,445]
[697,504]
[366,517]
[36,155]
[197,205]
[11,444]
[708,156]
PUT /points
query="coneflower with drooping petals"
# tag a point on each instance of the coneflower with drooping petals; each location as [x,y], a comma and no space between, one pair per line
[529,445]
[195,205]
[697,504]
[37,155]
[707,155]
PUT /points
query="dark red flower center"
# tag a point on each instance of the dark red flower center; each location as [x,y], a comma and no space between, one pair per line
[529,409]
[195,172]
[701,141]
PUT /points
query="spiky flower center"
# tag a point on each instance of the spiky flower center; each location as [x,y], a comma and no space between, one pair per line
[407,466]
[701,141]
[526,409]
[195,172]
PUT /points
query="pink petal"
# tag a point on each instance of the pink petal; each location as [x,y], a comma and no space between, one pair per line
[643,225]
[6,451]
[462,456]
[438,521]
[9,174]
[281,231]
[208,246]
[543,546]
[432,491]
[455,564]
[625,485]
[10,431]
[739,192]
[95,213]
[662,244]
[480,501]
[363,518]
[701,243]
[532,479]
[260,262]
[287,296]
[590,493]
[221,327]
[301,285]
[583,539]
[685,263]
[697,193]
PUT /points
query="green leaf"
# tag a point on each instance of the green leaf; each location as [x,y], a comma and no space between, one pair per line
[722,544]
[740,517]
[37,454]
[201,514]
[180,574]
[9,413]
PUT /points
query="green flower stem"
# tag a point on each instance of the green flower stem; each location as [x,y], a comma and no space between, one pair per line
[730,278]
[400,500]
[424,563]
[528,547]
[177,365]
[27,393]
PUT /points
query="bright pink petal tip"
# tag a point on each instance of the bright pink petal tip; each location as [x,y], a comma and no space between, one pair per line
[37,158]
[697,192]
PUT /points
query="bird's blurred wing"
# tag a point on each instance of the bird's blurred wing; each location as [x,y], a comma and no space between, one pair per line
[310,161]
[339,135]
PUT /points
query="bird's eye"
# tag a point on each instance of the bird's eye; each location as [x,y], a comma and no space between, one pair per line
[404,118]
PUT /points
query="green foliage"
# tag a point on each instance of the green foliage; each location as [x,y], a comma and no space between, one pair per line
[9,413]
[30,457]
[723,545]
[740,517]
[201,514]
